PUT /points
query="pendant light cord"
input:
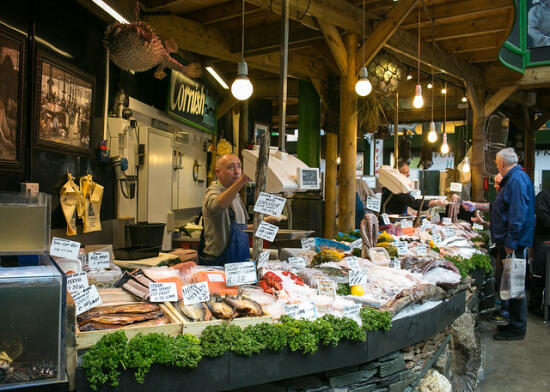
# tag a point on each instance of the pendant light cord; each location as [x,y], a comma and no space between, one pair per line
[363,38]
[418,54]
[242,35]
[445,111]
[433,73]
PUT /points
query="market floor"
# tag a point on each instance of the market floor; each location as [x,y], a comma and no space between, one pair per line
[516,366]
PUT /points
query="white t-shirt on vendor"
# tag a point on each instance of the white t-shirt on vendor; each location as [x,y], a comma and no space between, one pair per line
[216,220]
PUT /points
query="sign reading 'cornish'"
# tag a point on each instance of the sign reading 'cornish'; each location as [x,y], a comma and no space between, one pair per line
[192,102]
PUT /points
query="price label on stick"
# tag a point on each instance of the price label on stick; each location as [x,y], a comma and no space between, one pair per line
[406,223]
[436,238]
[402,248]
[86,299]
[99,260]
[352,311]
[357,276]
[267,231]
[297,262]
[269,204]
[386,219]
[162,292]
[262,259]
[421,250]
[373,204]
[456,187]
[64,248]
[237,274]
[326,287]
[478,227]
[77,282]
[195,293]
[449,232]
[357,244]
[308,243]
[304,311]
[447,221]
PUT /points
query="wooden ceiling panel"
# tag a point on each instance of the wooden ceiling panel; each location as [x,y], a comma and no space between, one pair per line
[473,27]
[223,12]
[472,44]
[178,7]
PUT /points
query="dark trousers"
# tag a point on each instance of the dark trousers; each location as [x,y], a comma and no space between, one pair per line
[516,307]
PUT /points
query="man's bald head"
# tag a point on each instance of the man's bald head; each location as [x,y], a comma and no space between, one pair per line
[228,169]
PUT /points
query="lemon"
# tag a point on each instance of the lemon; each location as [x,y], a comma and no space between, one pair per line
[357,289]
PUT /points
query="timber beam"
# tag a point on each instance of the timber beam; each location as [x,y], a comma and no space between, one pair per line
[336,45]
[208,41]
[533,77]
[497,99]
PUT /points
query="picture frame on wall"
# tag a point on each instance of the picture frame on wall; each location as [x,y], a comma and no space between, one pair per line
[259,127]
[63,106]
[12,82]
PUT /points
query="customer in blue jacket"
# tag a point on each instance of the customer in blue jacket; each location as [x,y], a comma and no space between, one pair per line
[512,228]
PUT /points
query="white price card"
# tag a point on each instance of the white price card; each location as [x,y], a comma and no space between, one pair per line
[386,219]
[297,262]
[326,287]
[352,262]
[449,232]
[237,274]
[99,260]
[478,227]
[426,225]
[406,223]
[447,221]
[416,193]
[352,311]
[215,277]
[77,282]
[395,263]
[421,250]
[357,276]
[269,204]
[162,292]
[86,299]
[195,293]
[305,311]
[262,259]
[402,247]
[456,187]
[373,204]
[267,231]
[357,244]
[64,248]
[436,238]
[308,243]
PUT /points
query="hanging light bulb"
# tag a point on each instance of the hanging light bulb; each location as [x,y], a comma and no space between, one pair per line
[464,99]
[432,136]
[409,77]
[444,90]
[363,87]
[418,101]
[429,85]
[444,146]
[466,165]
[242,88]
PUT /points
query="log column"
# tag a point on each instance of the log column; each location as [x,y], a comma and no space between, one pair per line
[348,140]
[309,125]
[331,155]
[476,97]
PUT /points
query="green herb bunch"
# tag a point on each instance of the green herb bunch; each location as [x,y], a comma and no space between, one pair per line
[465,265]
[373,319]
[343,289]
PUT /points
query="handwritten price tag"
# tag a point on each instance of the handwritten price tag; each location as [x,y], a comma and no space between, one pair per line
[447,221]
[357,276]
[352,262]
[99,260]
[262,259]
[64,248]
[352,311]
[162,292]
[304,311]
[478,227]
[406,223]
[195,293]
[449,232]
[269,204]
[386,219]
[456,187]
[77,282]
[237,274]
[402,248]
[308,243]
[436,238]
[326,287]
[86,299]
[357,244]
[394,263]
[426,225]
[267,231]
[421,250]
[297,262]
[373,204]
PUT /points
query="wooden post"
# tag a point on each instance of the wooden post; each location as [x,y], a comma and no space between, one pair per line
[528,119]
[396,131]
[243,137]
[260,181]
[476,97]
[331,155]
[348,141]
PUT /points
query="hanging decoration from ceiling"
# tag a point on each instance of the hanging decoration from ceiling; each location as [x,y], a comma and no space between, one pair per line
[385,73]
[135,47]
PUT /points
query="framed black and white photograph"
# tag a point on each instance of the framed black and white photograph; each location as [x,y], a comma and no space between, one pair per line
[259,128]
[12,73]
[538,23]
[63,106]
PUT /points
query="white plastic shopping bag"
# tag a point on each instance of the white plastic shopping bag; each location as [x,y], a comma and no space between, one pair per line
[512,284]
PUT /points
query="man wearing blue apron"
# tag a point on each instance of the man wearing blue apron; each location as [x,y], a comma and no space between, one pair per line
[224,216]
